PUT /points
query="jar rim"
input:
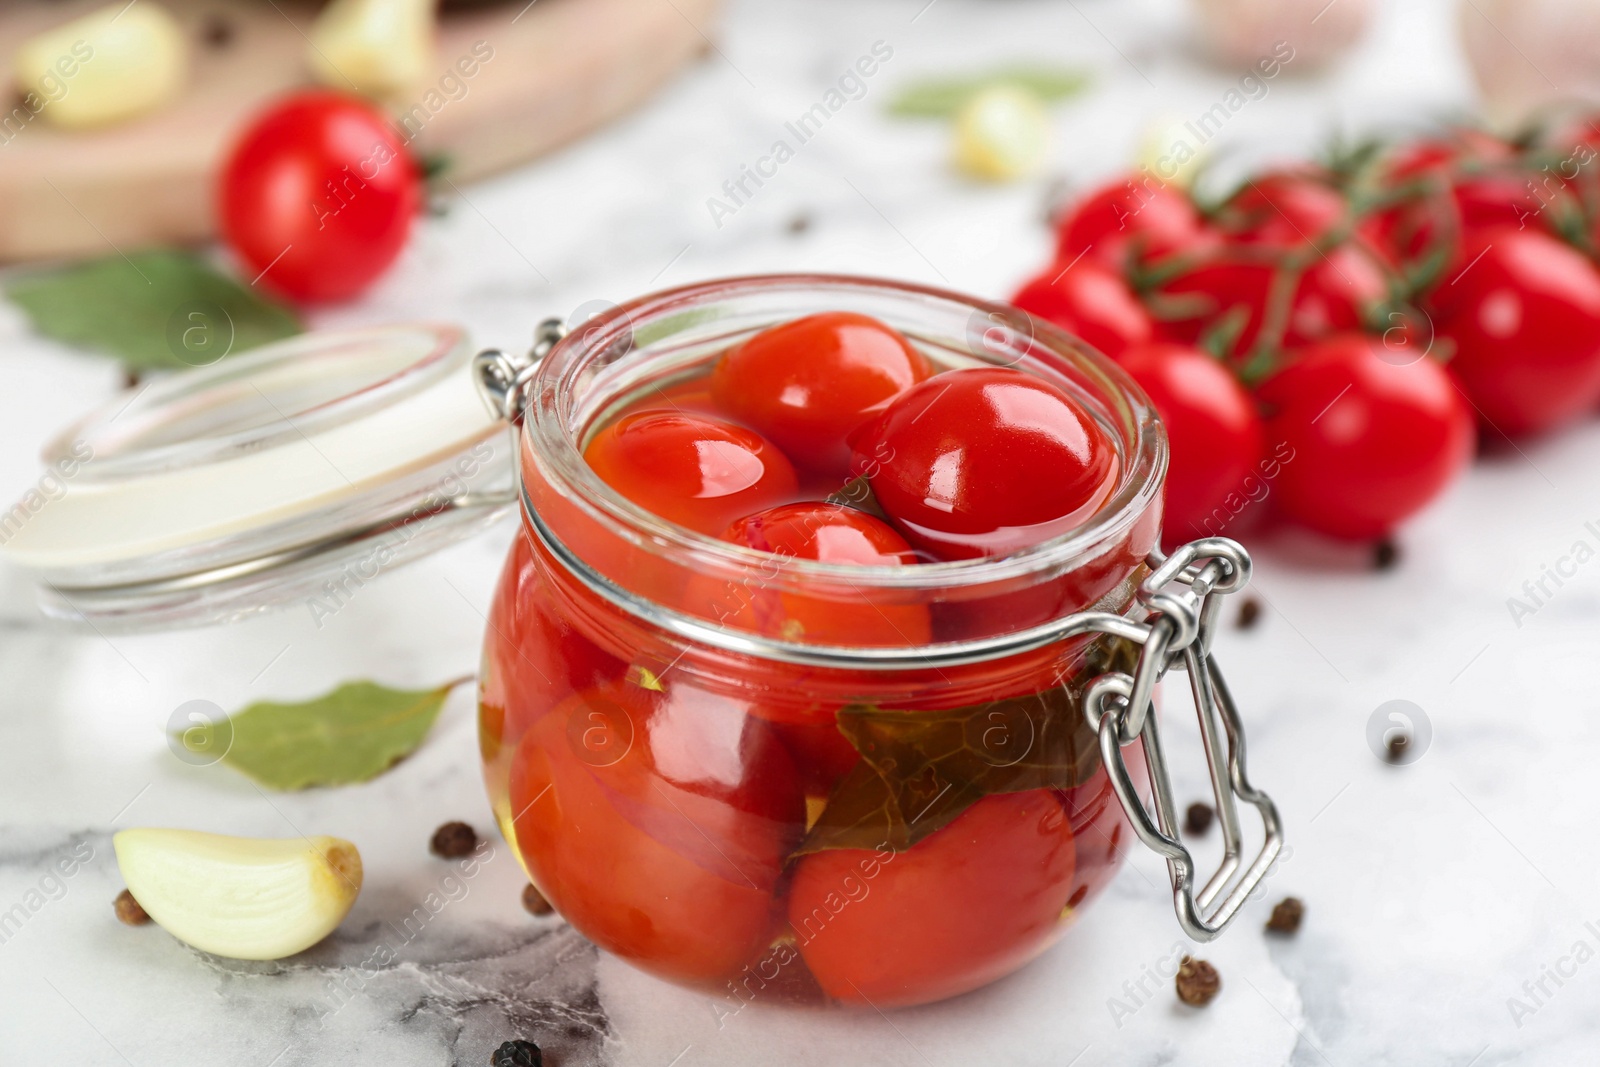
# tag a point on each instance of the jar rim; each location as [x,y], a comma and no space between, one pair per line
[549,438]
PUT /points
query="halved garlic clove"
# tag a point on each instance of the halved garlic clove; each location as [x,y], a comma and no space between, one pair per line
[380,47]
[1002,133]
[109,65]
[241,897]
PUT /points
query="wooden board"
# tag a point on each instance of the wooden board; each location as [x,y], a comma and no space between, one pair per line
[559,69]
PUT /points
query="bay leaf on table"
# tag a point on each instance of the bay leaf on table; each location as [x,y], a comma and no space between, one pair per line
[155,310]
[352,734]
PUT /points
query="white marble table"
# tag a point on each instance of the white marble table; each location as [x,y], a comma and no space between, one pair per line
[1436,892]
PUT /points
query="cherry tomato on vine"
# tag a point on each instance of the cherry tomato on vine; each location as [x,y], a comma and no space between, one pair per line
[1240,292]
[318,196]
[1524,318]
[1134,219]
[1090,301]
[1459,186]
[1213,431]
[972,901]
[658,824]
[807,383]
[985,462]
[1285,209]
[696,471]
[824,612]
[1369,441]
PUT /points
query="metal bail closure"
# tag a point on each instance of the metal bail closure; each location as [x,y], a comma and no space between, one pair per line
[1182,596]
[503,380]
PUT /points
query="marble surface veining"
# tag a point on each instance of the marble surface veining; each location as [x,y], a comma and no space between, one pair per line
[1452,909]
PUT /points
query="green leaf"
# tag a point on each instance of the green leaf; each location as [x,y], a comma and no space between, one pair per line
[943,97]
[153,310]
[919,770]
[352,734]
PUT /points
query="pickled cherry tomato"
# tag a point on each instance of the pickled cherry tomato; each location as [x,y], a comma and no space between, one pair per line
[985,462]
[698,472]
[967,904]
[806,384]
[658,824]
[822,531]
[1089,301]
[830,613]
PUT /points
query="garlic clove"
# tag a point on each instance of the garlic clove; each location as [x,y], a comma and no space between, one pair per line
[107,66]
[240,897]
[1002,133]
[379,46]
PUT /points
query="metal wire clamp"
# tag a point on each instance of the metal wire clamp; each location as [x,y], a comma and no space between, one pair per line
[503,380]
[1181,597]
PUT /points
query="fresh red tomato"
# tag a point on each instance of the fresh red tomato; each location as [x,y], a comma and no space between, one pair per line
[1459,186]
[827,612]
[1524,317]
[1090,301]
[318,196]
[695,471]
[967,904]
[985,462]
[1339,290]
[1285,209]
[1129,220]
[1213,432]
[658,824]
[807,383]
[1370,442]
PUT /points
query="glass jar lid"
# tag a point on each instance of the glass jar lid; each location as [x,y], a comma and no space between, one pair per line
[233,488]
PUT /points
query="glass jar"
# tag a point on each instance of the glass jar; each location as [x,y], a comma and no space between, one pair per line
[755,775]
[706,787]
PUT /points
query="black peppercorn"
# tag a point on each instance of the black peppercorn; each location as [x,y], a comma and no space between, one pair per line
[1198,982]
[535,902]
[1249,613]
[128,909]
[1385,555]
[1286,916]
[453,840]
[517,1054]
[1197,820]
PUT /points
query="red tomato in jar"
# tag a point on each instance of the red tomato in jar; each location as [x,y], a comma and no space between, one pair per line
[1524,318]
[970,902]
[1129,220]
[806,384]
[826,612]
[1089,301]
[534,658]
[1214,434]
[658,824]
[693,470]
[1371,442]
[318,196]
[985,462]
